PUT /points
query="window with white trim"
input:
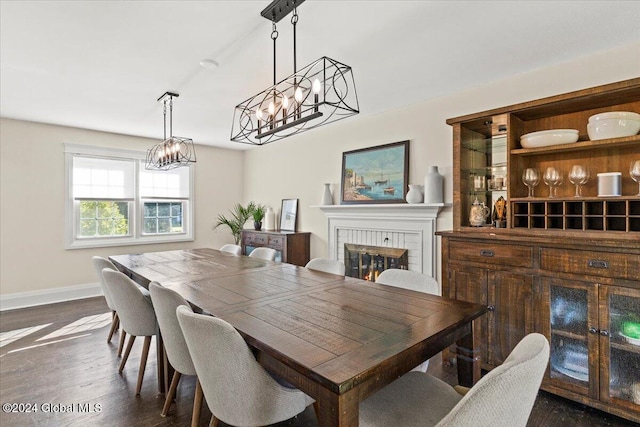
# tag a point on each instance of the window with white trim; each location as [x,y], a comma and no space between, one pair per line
[112,200]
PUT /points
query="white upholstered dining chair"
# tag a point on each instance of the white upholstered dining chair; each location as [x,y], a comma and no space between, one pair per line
[264,253]
[502,398]
[408,279]
[414,281]
[238,390]
[231,249]
[165,302]
[327,265]
[99,264]
[136,316]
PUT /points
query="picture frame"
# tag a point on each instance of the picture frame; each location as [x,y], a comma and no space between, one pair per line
[288,214]
[373,175]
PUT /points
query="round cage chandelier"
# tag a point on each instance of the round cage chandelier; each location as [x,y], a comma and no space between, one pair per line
[174,151]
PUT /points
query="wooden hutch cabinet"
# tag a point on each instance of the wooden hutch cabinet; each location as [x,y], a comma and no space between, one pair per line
[291,247]
[565,266]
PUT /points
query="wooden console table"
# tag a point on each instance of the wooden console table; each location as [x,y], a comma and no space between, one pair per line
[292,247]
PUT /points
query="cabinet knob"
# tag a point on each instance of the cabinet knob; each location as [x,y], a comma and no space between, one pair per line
[593,330]
[604,333]
[491,307]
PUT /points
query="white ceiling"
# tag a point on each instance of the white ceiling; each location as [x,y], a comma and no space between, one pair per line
[102,64]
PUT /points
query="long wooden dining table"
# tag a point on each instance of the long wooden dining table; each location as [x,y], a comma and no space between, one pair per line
[338,339]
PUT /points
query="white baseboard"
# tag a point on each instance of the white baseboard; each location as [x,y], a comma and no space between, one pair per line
[49,296]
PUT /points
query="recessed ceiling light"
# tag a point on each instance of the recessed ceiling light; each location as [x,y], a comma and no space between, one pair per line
[209,64]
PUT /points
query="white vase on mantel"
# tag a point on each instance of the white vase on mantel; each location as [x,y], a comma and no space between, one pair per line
[433,186]
[414,195]
[327,197]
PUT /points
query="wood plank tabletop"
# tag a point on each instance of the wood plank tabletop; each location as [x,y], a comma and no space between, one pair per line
[337,338]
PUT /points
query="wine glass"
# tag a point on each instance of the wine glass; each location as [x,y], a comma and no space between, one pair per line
[531,178]
[634,171]
[579,176]
[553,178]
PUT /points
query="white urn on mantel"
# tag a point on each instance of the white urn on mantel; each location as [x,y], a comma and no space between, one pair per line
[327,197]
[414,195]
[433,186]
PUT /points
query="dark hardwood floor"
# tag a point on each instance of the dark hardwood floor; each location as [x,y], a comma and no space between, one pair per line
[63,368]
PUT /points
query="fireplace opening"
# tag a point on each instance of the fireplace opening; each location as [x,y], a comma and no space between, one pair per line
[367,262]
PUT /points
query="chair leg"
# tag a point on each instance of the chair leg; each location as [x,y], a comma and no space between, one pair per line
[197,404]
[123,335]
[171,393]
[214,421]
[132,338]
[114,326]
[143,363]
[316,409]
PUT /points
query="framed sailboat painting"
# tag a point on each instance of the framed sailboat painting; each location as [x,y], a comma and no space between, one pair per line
[374,175]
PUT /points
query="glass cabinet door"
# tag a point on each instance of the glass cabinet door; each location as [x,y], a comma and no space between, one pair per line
[620,344]
[483,168]
[571,327]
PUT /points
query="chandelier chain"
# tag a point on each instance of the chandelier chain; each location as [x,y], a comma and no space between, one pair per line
[164,114]
[171,116]
[274,37]
[294,21]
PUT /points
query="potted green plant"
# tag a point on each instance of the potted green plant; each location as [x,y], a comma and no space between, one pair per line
[257,213]
[239,216]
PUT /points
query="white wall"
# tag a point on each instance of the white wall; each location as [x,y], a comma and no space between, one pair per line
[297,167]
[32,254]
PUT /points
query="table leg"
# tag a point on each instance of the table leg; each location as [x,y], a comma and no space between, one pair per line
[337,410]
[469,357]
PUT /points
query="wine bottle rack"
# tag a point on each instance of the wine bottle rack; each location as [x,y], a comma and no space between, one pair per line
[621,214]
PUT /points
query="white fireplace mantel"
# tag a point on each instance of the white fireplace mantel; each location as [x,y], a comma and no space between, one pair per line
[416,221]
[420,210]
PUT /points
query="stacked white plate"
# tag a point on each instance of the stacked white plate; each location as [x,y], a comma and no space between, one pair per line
[545,138]
[615,124]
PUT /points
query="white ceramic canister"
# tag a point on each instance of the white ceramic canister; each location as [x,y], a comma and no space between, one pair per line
[414,195]
[269,220]
[433,186]
[609,184]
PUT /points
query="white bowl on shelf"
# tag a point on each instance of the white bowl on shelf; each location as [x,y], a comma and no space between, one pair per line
[545,138]
[629,115]
[616,124]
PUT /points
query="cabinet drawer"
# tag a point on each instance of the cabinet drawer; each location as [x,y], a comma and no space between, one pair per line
[276,242]
[622,266]
[261,239]
[248,239]
[492,253]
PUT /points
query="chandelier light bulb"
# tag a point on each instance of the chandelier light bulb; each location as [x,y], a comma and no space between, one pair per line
[259,114]
[272,108]
[298,95]
[316,90]
[285,102]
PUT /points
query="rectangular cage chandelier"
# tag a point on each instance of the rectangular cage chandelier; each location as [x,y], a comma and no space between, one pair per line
[174,151]
[320,93]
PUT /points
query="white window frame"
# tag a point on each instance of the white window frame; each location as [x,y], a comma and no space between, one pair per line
[136,214]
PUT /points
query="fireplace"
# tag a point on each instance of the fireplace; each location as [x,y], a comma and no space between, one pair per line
[409,228]
[367,262]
